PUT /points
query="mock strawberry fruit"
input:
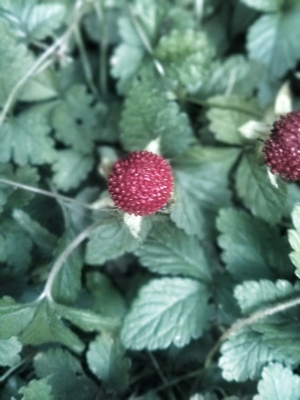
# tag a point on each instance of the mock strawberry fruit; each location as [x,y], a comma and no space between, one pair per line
[140,183]
[282,148]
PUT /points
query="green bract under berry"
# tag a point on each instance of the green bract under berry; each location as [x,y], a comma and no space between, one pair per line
[282,148]
[141,183]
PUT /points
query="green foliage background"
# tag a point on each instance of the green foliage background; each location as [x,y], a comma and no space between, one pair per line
[202,303]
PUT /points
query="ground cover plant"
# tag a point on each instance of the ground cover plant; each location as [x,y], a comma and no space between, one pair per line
[195,294]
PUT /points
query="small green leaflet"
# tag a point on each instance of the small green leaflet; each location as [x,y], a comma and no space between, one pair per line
[9,352]
[107,300]
[65,375]
[149,115]
[273,39]
[37,389]
[32,21]
[201,187]
[277,383]
[252,295]
[110,240]
[265,5]
[70,169]
[25,139]
[243,356]
[186,57]
[227,114]
[265,199]
[75,120]
[166,311]
[106,359]
[252,249]
[294,239]
[169,251]
[68,281]
[10,195]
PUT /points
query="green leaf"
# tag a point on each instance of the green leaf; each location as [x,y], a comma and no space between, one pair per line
[265,5]
[9,194]
[65,375]
[32,21]
[277,383]
[67,283]
[149,115]
[25,139]
[70,169]
[39,235]
[252,249]
[273,39]
[201,187]
[18,256]
[169,251]
[186,57]
[14,317]
[107,300]
[227,114]
[110,240]
[167,311]
[235,75]
[259,194]
[47,327]
[294,239]
[36,390]
[243,356]
[9,352]
[75,120]
[252,295]
[106,359]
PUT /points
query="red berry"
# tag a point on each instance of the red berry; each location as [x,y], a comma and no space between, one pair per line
[282,148]
[141,183]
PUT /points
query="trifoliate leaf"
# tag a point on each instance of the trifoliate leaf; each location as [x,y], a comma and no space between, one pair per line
[186,57]
[14,317]
[9,352]
[107,300]
[75,120]
[201,187]
[65,375]
[169,251]
[32,21]
[166,311]
[37,389]
[149,115]
[273,39]
[277,383]
[109,241]
[25,139]
[227,114]
[257,191]
[243,356]
[15,246]
[252,249]
[106,359]
[67,284]
[40,236]
[47,327]
[265,5]
[70,169]
[252,295]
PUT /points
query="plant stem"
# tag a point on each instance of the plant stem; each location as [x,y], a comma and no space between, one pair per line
[63,257]
[243,323]
[159,371]
[12,369]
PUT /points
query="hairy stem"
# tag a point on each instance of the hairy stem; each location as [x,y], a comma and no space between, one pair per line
[243,323]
